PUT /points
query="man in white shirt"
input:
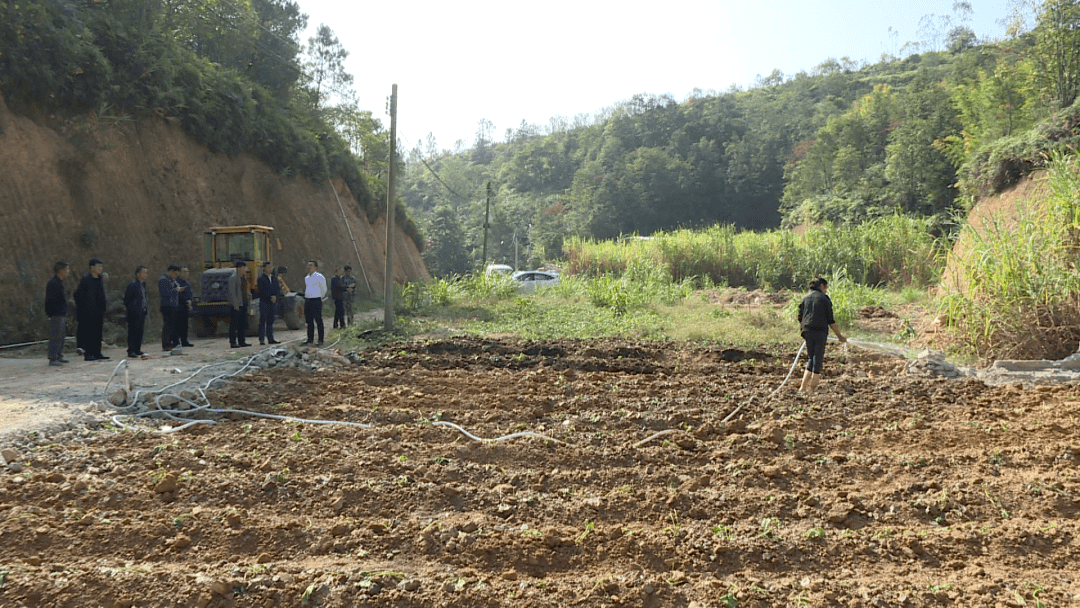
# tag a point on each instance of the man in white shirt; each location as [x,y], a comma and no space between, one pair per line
[314,293]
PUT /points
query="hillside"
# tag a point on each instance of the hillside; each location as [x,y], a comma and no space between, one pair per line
[141,192]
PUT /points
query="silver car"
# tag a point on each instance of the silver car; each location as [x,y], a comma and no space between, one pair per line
[530,280]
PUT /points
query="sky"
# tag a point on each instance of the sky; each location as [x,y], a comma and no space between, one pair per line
[457,63]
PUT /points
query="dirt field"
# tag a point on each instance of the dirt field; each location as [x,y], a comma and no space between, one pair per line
[880,490]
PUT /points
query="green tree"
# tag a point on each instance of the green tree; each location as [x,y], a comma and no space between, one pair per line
[1057,51]
[325,67]
[445,252]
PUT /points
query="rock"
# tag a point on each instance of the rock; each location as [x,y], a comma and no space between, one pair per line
[9,455]
[839,512]
[119,398]
[167,484]
[220,588]
[410,584]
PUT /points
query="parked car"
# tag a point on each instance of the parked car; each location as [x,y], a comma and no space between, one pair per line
[531,280]
[498,269]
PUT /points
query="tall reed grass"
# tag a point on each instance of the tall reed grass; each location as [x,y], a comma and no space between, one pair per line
[1014,292]
[895,251]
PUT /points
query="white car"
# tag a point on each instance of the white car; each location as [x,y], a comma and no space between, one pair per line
[530,280]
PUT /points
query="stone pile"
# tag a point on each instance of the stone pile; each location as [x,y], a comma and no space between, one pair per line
[932,364]
[183,399]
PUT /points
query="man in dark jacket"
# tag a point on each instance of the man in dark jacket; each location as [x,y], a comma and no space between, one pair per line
[169,291]
[815,319]
[90,304]
[56,310]
[184,310]
[239,299]
[269,292]
[135,302]
[337,292]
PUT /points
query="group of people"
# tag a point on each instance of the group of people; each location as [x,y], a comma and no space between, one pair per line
[815,310]
[176,304]
[90,306]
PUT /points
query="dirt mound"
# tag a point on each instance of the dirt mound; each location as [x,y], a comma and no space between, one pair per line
[881,490]
[997,208]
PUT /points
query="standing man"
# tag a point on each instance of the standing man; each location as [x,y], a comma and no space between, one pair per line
[90,303]
[349,282]
[169,290]
[337,292]
[186,295]
[269,291]
[135,302]
[815,320]
[56,310]
[314,292]
[239,298]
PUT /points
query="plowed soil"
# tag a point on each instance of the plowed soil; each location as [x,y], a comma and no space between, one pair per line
[878,490]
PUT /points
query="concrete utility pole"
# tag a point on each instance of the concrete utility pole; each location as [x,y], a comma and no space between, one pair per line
[388,282]
[487,214]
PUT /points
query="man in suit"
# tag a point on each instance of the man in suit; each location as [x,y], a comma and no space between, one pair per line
[239,298]
[269,292]
[90,303]
[135,302]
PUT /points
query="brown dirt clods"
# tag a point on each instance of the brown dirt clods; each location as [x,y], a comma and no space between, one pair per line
[880,490]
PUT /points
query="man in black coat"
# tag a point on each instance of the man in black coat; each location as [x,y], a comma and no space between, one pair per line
[56,310]
[90,304]
[135,302]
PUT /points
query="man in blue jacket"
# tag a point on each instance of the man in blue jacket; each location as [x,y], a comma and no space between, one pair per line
[56,310]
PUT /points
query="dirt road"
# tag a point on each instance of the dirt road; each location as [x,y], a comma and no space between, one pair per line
[37,397]
[881,490]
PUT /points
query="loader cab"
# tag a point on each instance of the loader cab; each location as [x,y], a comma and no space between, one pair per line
[223,246]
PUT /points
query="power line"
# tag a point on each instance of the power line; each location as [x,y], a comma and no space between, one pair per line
[445,185]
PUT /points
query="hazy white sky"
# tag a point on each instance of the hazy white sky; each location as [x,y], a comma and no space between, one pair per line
[456,63]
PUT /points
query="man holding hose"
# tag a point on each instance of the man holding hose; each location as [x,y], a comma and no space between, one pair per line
[815,319]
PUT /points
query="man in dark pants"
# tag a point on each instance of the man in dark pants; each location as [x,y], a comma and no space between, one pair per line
[815,320]
[56,310]
[337,292]
[169,291]
[269,291]
[135,302]
[90,302]
[239,298]
[186,295]
[314,292]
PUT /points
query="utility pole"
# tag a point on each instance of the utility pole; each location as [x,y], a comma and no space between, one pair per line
[487,214]
[388,281]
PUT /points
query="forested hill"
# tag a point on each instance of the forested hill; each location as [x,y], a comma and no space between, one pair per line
[918,135]
[232,73]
